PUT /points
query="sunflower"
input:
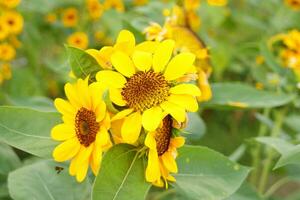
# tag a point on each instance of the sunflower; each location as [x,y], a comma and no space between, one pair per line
[10,3]
[6,71]
[3,30]
[162,153]
[7,52]
[70,17]
[51,18]
[83,132]
[114,4]
[294,4]
[79,40]
[146,84]
[14,21]
[217,2]
[94,8]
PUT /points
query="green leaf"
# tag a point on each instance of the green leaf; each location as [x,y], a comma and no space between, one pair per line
[290,153]
[122,175]
[206,174]
[237,95]
[41,181]
[82,63]
[293,121]
[246,192]
[195,127]
[28,129]
[8,159]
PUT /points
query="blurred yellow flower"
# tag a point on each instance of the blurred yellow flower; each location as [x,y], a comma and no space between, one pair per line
[139,2]
[10,3]
[259,60]
[162,153]
[114,4]
[14,21]
[7,52]
[146,84]
[83,132]
[294,4]
[51,18]
[70,17]
[6,71]
[3,30]
[155,32]
[217,2]
[191,4]
[95,9]
[79,40]
[13,40]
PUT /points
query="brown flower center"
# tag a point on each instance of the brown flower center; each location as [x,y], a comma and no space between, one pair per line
[163,136]
[145,90]
[86,126]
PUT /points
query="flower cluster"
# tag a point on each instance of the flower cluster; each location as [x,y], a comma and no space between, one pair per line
[11,25]
[147,94]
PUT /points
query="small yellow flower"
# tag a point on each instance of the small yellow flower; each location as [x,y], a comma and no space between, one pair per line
[79,40]
[146,84]
[13,40]
[114,4]
[292,40]
[294,4]
[4,31]
[217,2]
[70,17]
[6,71]
[84,131]
[155,32]
[14,21]
[7,52]
[95,9]
[191,5]
[162,153]
[51,18]
[259,60]
[140,2]
[10,3]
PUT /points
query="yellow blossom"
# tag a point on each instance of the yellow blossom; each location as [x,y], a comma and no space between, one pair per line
[217,2]
[10,3]
[70,17]
[14,21]
[114,4]
[51,18]
[95,9]
[7,52]
[4,31]
[294,4]
[79,40]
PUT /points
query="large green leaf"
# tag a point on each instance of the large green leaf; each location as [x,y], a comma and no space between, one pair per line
[41,181]
[28,129]
[290,153]
[122,176]
[195,127]
[246,192]
[206,174]
[244,96]
[8,159]
[82,63]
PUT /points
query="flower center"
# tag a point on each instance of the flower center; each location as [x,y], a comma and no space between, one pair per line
[145,90]
[163,136]
[86,126]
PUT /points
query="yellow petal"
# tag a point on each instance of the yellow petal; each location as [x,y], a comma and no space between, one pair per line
[82,171]
[162,55]
[64,107]
[152,170]
[96,159]
[185,101]
[111,78]
[142,60]
[83,90]
[122,63]
[66,150]
[147,46]
[73,165]
[150,140]
[96,91]
[131,127]
[177,142]
[100,111]
[125,42]
[116,96]
[102,137]
[151,118]
[169,162]
[189,89]
[122,114]
[82,162]
[62,132]
[72,95]
[175,111]
[179,65]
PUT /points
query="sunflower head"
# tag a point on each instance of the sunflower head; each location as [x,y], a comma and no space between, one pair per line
[7,52]
[10,3]
[114,4]
[79,40]
[70,17]
[4,31]
[14,21]
[144,80]
[5,70]
[294,4]
[84,131]
[95,9]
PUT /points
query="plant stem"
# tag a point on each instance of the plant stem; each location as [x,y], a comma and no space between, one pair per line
[256,151]
[279,116]
[276,186]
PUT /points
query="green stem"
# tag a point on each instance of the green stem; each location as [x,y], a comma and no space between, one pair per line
[279,116]
[276,186]
[256,151]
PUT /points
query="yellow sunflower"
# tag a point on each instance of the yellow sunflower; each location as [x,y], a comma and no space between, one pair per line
[6,71]
[162,153]
[217,2]
[14,21]
[294,4]
[83,132]
[3,30]
[10,3]
[95,9]
[79,40]
[51,18]
[7,52]
[70,17]
[114,4]
[146,84]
